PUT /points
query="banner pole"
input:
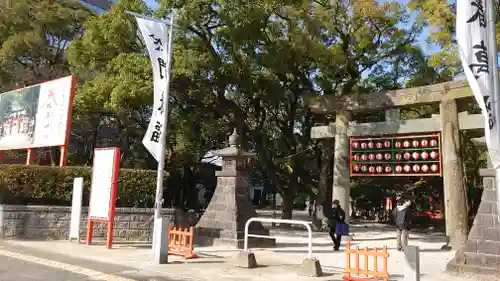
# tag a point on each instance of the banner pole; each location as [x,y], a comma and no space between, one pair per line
[163,140]
[493,58]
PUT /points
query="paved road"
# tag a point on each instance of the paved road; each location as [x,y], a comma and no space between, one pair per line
[24,264]
[14,269]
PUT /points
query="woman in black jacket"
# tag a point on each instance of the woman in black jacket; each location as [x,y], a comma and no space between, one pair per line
[337,217]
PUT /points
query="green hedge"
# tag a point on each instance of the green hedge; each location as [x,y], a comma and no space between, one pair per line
[47,185]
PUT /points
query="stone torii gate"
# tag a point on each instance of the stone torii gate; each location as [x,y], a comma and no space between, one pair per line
[448,122]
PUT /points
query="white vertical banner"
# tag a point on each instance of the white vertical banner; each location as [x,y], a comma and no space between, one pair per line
[157,37]
[478,58]
[76,209]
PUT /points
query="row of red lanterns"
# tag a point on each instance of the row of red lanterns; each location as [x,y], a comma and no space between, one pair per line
[399,156]
[397,144]
[434,168]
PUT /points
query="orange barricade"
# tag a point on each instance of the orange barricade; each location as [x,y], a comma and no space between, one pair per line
[366,271]
[180,242]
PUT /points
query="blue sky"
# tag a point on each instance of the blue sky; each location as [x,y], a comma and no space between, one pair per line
[151,3]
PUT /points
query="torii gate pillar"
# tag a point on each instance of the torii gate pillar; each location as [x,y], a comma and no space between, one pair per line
[341,175]
[453,177]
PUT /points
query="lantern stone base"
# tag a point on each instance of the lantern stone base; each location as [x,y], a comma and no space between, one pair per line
[481,253]
[223,223]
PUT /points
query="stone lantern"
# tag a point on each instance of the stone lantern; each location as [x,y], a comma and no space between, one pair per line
[223,223]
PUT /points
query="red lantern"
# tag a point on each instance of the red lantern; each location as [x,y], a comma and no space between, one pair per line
[371,157]
[425,168]
[387,156]
[379,156]
[416,168]
[355,144]
[407,155]
[434,155]
[397,144]
[371,169]
[407,168]
[415,155]
[379,145]
[356,168]
[415,143]
[356,157]
[387,144]
[406,144]
[370,145]
[363,145]
[434,168]
[425,155]
[424,143]
[380,169]
[364,157]
[433,143]
[363,169]
[388,169]
[399,157]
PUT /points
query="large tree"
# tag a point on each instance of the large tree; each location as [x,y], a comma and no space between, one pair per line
[439,17]
[34,35]
[260,61]
[113,102]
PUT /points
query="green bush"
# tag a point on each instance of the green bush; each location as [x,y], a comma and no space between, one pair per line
[47,185]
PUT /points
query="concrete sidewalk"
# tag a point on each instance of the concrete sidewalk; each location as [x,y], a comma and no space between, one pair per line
[278,263]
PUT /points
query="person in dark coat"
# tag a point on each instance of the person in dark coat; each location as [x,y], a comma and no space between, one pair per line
[337,216]
[402,219]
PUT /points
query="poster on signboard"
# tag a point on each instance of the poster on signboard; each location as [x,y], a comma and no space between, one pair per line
[36,116]
[104,177]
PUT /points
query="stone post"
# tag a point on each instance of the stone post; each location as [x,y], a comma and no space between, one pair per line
[412,263]
[341,175]
[453,178]
[223,223]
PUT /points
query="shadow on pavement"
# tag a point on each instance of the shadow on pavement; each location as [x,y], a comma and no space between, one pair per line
[302,244]
[436,239]
[299,251]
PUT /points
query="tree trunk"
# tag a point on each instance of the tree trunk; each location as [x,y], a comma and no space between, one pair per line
[288,198]
[322,205]
[290,192]
[190,196]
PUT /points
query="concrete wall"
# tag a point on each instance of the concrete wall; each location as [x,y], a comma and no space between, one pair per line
[52,222]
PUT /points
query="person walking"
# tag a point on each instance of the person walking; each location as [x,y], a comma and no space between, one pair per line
[337,224]
[402,220]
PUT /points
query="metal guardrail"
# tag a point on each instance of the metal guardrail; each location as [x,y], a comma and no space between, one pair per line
[268,220]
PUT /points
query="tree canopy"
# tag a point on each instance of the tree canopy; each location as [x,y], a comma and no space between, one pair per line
[34,36]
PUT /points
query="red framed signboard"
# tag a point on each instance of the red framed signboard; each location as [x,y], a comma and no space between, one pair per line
[416,155]
[37,116]
[103,190]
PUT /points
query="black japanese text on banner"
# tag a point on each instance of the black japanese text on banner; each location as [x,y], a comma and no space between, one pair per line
[156,35]
[472,38]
